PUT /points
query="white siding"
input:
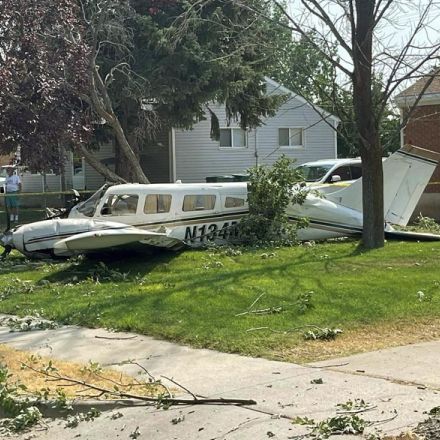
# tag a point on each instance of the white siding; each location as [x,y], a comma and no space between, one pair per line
[198,156]
[155,159]
[94,180]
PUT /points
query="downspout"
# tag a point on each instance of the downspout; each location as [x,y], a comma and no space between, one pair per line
[173,172]
[256,146]
[335,125]
[402,134]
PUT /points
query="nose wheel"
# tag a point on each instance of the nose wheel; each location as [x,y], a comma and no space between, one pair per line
[6,252]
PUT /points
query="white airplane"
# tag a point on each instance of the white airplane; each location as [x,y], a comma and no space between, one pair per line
[177,215]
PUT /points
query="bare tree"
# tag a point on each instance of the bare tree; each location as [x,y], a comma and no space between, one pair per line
[394,40]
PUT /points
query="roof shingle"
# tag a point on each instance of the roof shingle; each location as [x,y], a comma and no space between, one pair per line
[417,88]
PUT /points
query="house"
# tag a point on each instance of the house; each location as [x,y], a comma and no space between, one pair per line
[299,130]
[423,130]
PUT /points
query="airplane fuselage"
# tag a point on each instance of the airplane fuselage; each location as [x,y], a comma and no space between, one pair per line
[198,213]
[177,215]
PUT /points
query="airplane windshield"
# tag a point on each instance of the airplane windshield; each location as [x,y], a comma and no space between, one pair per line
[314,173]
[88,207]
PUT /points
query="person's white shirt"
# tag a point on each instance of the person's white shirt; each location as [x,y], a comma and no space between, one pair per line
[12,183]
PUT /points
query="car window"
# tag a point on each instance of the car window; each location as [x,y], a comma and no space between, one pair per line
[314,173]
[356,171]
[343,172]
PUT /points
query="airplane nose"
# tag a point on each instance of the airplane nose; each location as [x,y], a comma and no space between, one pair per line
[6,241]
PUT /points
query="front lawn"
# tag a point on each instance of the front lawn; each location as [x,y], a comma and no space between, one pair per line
[379,298]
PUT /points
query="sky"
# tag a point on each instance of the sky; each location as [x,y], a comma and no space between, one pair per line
[391,35]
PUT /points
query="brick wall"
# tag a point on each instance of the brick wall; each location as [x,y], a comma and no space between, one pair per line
[423,131]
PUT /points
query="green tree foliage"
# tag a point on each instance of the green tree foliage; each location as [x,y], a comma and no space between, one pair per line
[132,67]
[178,59]
[42,71]
[270,191]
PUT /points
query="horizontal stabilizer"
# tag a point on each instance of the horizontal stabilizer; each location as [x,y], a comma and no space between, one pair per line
[411,236]
[109,238]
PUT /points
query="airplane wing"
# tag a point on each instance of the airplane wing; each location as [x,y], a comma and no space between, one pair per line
[108,238]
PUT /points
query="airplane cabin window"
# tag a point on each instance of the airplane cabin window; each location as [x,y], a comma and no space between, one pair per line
[198,202]
[120,204]
[157,203]
[234,202]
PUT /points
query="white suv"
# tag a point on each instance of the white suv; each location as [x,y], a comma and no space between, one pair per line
[331,170]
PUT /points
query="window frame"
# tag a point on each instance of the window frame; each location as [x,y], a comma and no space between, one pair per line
[294,147]
[158,212]
[119,196]
[232,147]
[183,210]
[237,197]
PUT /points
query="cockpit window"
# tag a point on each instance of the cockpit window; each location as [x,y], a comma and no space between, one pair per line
[88,207]
[120,204]
[314,173]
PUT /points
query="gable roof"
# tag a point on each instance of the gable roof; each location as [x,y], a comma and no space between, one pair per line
[323,113]
[432,92]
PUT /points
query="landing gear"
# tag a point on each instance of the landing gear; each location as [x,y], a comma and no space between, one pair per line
[6,252]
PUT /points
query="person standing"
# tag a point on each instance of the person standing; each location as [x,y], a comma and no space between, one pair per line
[12,188]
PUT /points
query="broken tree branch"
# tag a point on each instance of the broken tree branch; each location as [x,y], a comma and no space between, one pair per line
[166,401]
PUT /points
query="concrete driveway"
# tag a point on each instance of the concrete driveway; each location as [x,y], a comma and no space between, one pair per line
[399,383]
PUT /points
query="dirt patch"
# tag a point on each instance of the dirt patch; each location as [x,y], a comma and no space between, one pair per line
[363,339]
[106,378]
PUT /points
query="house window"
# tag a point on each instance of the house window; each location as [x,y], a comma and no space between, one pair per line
[157,203]
[291,137]
[120,204]
[198,203]
[232,138]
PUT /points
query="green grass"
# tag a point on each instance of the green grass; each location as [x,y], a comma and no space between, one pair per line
[193,296]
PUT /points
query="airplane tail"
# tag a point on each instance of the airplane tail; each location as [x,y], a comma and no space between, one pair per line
[406,174]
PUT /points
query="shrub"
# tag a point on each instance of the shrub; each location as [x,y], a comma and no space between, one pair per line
[270,191]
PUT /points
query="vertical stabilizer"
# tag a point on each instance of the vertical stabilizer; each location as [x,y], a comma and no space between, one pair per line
[406,174]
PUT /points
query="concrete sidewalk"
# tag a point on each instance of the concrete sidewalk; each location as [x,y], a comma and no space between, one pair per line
[402,383]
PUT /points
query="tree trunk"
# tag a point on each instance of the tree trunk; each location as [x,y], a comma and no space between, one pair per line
[122,166]
[100,167]
[103,106]
[370,148]
[372,198]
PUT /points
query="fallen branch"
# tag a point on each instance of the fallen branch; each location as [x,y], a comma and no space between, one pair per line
[252,305]
[291,330]
[181,386]
[357,411]
[269,310]
[327,333]
[326,366]
[165,401]
[116,338]
[153,379]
